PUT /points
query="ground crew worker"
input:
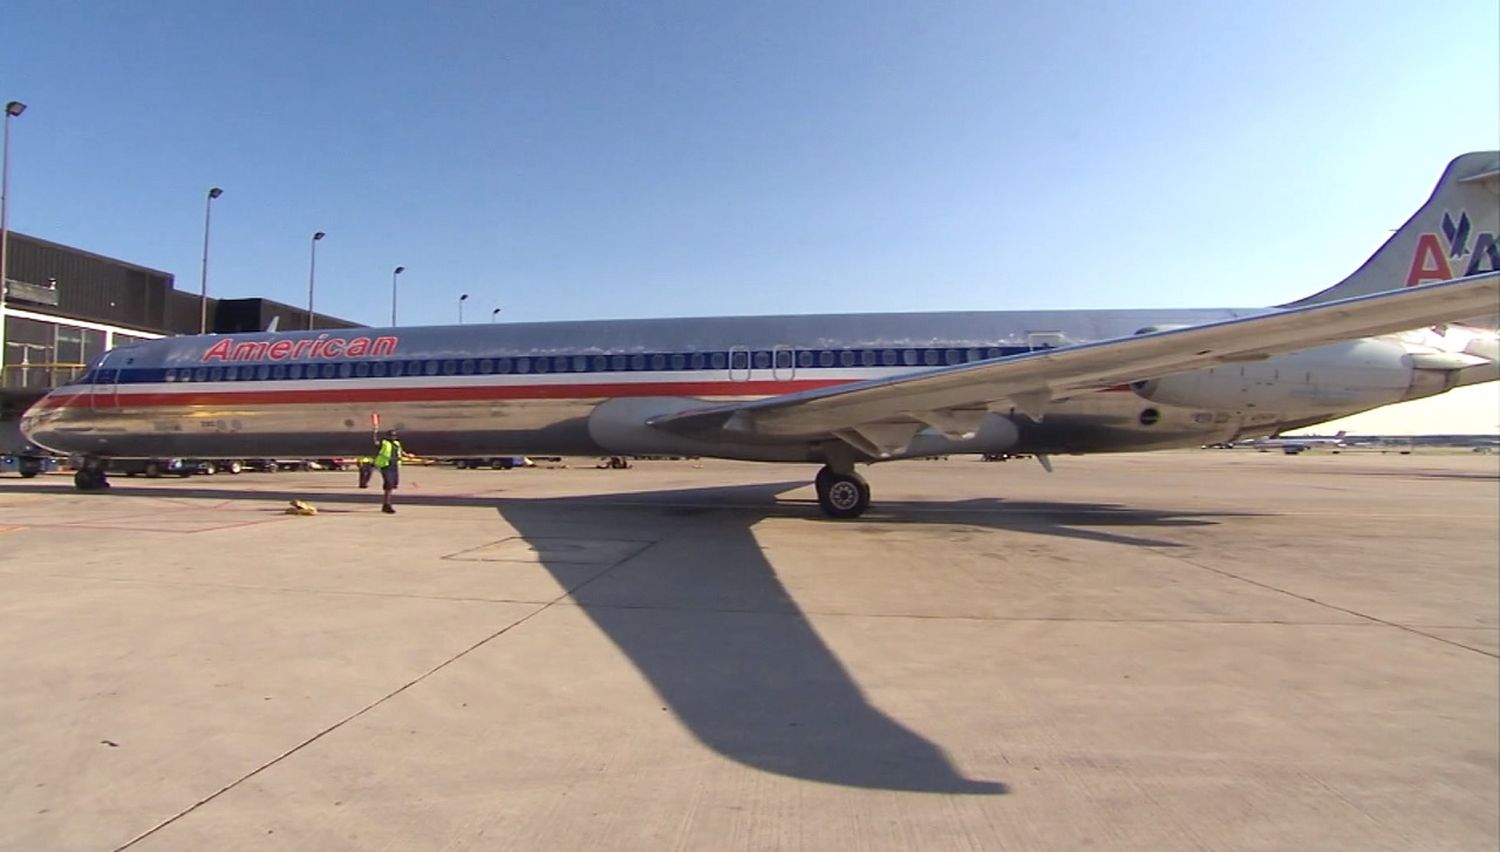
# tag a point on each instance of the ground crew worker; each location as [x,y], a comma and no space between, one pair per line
[388,462]
[366,470]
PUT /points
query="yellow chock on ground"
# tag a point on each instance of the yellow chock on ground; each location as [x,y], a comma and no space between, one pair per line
[300,508]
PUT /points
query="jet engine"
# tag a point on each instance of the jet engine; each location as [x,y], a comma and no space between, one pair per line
[1349,376]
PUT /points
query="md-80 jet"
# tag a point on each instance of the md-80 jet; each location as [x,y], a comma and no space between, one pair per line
[1417,319]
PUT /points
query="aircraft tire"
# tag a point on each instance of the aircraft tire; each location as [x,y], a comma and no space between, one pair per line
[89,479]
[842,495]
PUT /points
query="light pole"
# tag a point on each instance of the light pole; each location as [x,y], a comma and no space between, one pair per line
[312,275]
[12,109]
[397,271]
[208,207]
[461,300]
[494,314]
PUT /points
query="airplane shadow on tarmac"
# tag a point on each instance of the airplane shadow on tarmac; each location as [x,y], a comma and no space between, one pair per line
[703,616]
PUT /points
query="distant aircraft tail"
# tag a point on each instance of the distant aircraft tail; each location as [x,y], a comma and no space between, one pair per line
[1453,235]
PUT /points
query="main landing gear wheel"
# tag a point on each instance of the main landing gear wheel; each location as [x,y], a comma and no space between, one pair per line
[90,478]
[842,495]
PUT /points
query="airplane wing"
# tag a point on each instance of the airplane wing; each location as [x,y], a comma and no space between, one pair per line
[881,415]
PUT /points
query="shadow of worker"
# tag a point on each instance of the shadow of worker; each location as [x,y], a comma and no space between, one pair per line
[704,618]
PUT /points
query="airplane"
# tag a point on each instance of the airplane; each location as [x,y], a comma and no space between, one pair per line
[1417,319]
[1294,445]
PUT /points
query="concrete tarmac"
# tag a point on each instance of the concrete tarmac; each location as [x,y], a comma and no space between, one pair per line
[1194,650]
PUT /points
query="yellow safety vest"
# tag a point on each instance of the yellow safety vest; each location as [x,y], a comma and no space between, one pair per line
[390,453]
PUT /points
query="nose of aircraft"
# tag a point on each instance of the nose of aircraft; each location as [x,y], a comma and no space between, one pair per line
[39,424]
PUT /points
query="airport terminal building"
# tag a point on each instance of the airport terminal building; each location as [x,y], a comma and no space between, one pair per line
[62,307]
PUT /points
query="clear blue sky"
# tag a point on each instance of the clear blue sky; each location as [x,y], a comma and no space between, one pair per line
[572,160]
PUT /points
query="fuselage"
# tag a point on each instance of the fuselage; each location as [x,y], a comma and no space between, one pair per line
[561,388]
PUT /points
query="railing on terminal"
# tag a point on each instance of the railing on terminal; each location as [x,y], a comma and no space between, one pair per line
[39,376]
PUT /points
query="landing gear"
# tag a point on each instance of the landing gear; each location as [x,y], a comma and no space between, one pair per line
[90,477]
[842,494]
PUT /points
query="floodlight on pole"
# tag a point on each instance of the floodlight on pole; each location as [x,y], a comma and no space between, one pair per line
[312,275]
[397,271]
[495,314]
[12,109]
[208,207]
[461,300]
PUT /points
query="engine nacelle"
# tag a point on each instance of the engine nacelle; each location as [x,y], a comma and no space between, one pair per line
[1349,376]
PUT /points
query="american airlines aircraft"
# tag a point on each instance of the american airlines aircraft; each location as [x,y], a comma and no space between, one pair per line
[836,390]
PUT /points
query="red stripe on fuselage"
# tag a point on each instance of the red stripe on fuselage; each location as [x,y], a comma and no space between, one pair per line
[430,393]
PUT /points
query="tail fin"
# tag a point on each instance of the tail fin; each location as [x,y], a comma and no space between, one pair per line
[1453,235]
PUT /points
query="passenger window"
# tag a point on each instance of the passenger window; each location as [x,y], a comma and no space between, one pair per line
[762,360]
[377,369]
[345,369]
[523,365]
[560,364]
[846,358]
[398,367]
[909,357]
[450,367]
[739,360]
[995,352]
[467,367]
[716,360]
[953,356]
[617,362]
[93,378]
[502,365]
[361,370]
[658,362]
[540,365]
[231,373]
[487,365]
[637,362]
[783,358]
[200,373]
[679,361]
[417,368]
[600,363]
[430,368]
[888,357]
[279,372]
[804,358]
[262,373]
[329,370]
[696,361]
[930,357]
[867,357]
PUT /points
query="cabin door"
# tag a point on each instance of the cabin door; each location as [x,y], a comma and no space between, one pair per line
[106,384]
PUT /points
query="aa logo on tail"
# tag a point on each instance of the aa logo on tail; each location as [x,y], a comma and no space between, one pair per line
[1441,257]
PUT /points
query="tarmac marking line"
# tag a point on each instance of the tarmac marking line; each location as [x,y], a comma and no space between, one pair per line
[376,703]
[1356,613]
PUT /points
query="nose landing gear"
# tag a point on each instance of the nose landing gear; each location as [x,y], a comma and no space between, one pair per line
[842,494]
[90,477]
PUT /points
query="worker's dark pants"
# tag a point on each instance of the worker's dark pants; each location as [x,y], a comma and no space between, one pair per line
[365,472]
